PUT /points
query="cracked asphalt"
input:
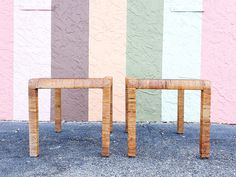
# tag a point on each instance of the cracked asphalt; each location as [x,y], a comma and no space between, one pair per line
[76,151]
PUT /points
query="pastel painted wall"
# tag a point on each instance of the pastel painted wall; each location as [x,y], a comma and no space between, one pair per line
[6,59]
[70,43]
[144,52]
[32,53]
[219,57]
[107,47]
[160,39]
[182,54]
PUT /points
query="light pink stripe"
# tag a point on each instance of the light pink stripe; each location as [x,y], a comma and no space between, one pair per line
[6,59]
[219,57]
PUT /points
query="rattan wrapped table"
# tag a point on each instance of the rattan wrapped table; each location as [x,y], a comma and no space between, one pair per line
[132,85]
[99,83]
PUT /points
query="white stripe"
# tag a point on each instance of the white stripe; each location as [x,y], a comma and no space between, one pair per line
[32,53]
[181,54]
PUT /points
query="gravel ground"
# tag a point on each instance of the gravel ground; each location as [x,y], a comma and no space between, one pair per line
[76,151]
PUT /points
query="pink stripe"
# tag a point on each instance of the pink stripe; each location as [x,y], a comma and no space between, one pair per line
[6,59]
[219,57]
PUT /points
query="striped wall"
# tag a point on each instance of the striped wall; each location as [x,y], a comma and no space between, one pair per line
[162,39]
[6,59]
[144,52]
[181,54]
[219,57]
[107,53]
[32,53]
[70,41]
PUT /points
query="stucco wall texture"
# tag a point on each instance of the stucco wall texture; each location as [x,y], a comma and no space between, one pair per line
[219,57]
[32,54]
[181,57]
[107,57]
[169,39]
[70,36]
[6,59]
[144,52]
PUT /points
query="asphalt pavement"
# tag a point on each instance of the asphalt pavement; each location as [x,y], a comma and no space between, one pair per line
[76,151]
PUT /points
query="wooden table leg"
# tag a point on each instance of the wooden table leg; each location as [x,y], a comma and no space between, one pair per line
[126,109]
[111,110]
[57,114]
[131,119]
[33,123]
[205,123]
[180,122]
[106,120]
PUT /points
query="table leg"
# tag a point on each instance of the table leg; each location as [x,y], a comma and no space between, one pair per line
[111,110]
[33,123]
[131,120]
[205,123]
[106,120]
[180,122]
[126,110]
[57,118]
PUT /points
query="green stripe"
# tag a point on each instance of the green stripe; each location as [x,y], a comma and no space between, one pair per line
[144,52]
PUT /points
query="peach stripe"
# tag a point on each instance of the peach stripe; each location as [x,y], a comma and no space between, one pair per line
[6,59]
[107,48]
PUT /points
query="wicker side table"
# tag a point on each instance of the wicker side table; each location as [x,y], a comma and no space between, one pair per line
[205,86]
[99,83]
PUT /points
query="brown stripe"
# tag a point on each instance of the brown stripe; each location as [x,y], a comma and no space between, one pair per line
[70,36]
